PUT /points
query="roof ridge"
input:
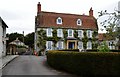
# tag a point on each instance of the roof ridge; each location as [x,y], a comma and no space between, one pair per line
[65,13]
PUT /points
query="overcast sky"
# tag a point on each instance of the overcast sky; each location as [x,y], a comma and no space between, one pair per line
[19,15]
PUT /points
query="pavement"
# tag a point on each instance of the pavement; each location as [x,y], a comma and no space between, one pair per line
[5,60]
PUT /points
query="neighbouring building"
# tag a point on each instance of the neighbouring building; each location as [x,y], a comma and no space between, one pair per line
[71,23]
[3,38]
[111,43]
[15,47]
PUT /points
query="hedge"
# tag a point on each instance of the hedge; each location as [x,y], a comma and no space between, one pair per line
[88,50]
[86,63]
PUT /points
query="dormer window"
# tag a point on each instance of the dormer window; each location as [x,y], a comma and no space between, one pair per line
[59,20]
[79,22]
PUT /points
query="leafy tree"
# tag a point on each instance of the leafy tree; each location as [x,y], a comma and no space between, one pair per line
[13,37]
[111,25]
[29,39]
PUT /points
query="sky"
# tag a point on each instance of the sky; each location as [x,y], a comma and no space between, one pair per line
[19,15]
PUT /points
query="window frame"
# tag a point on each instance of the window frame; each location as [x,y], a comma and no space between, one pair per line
[80,33]
[60,45]
[80,43]
[57,20]
[69,33]
[47,45]
[79,22]
[89,45]
[49,33]
[59,33]
[89,33]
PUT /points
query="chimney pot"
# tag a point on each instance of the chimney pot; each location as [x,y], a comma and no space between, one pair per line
[91,12]
[38,7]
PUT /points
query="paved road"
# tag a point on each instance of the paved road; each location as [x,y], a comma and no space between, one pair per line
[30,65]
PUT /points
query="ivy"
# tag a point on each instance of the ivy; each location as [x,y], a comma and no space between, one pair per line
[65,35]
[55,39]
[85,39]
[75,34]
[94,40]
[41,43]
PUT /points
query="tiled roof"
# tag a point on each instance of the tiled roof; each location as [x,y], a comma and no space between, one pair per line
[4,24]
[101,36]
[48,19]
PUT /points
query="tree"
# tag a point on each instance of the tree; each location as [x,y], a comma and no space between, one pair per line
[111,25]
[29,40]
[13,37]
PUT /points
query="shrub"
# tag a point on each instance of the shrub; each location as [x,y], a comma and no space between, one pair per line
[86,63]
[103,47]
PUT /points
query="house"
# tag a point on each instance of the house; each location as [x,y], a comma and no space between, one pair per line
[15,46]
[111,43]
[3,38]
[71,23]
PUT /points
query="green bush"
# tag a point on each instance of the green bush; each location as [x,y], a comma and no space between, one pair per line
[86,63]
[103,47]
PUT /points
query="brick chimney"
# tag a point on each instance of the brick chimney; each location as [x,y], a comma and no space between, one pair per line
[91,12]
[38,7]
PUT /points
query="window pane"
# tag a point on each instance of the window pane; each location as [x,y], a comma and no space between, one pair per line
[70,32]
[79,22]
[59,20]
[59,32]
[89,45]
[49,45]
[79,33]
[80,45]
[49,32]
[60,45]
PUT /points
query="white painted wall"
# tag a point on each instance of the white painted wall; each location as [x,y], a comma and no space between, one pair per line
[2,39]
[1,46]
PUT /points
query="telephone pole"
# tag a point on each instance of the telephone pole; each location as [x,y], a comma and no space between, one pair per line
[23,36]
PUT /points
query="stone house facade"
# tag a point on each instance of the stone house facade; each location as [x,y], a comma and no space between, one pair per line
[71,23]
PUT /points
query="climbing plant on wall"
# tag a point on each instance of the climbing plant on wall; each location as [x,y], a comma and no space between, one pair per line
[85,39]
[55,38]
[76,34]
[65,35]
[94,40]
[41,42]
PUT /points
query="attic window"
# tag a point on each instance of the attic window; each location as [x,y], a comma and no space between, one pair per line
[59,20]
[79,22]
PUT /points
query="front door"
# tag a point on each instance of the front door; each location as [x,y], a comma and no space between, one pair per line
[71,45]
